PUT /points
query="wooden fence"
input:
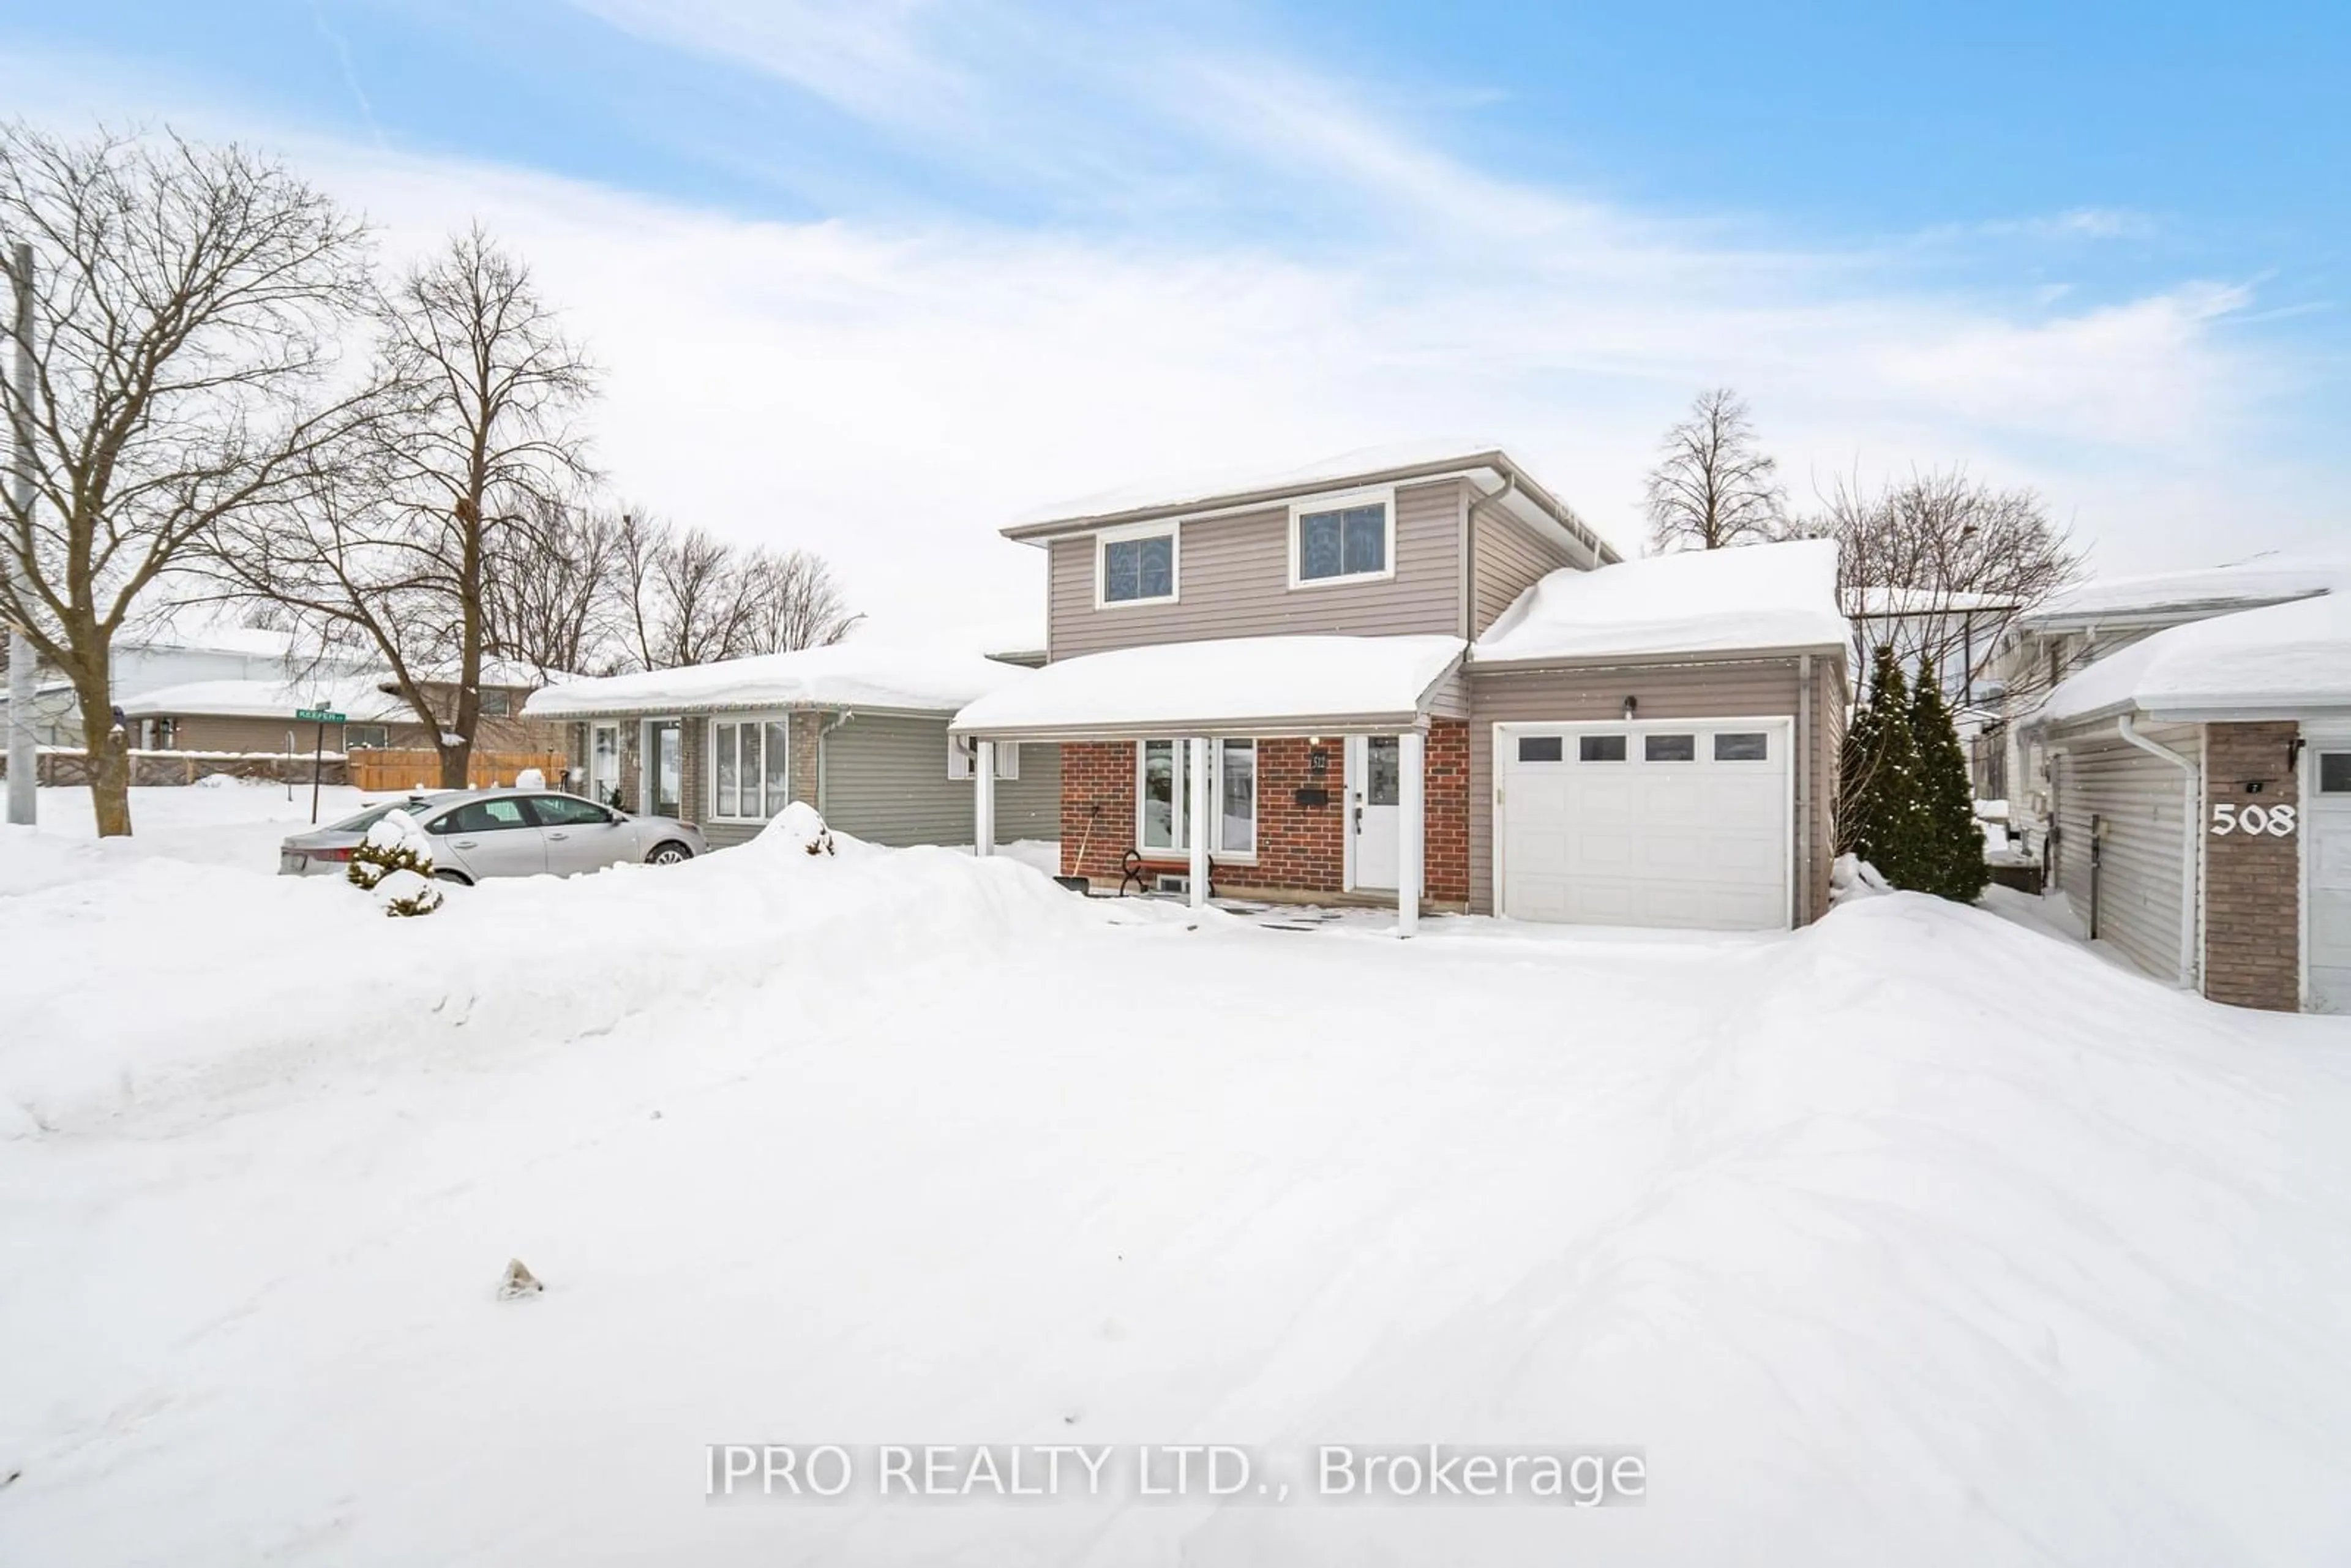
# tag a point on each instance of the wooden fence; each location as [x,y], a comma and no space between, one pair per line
[385,770]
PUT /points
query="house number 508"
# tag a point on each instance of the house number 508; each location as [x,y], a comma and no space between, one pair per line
[2227,817]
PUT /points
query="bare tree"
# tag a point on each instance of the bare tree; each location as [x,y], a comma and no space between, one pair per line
[1937,566]
[469,440]
[188,301]
[549,590]
[689,598]
[1712,486]
[798,604]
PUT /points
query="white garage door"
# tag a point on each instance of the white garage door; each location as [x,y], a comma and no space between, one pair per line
[1678,824]
[2327,820]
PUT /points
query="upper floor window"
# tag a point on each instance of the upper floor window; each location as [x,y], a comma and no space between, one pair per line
[1136,565]
[496,702]
[1344,537]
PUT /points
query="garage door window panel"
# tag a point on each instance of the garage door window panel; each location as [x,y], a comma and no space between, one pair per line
[1742,745]
[1669,748]
[1600,748]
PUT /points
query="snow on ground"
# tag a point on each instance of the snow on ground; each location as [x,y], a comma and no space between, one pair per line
[1915,1238]
[223,822]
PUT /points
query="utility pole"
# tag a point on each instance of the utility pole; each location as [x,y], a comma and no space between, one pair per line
[23,761]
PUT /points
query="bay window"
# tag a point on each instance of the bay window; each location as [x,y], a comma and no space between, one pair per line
[750,780]
[1163,805]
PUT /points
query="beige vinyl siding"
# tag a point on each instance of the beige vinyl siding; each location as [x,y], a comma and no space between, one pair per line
[1233,581]
[885,779]
[1506,559]
[2137,797]
[1760,688]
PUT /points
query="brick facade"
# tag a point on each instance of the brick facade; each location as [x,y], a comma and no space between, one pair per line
[2253,880]
[1302,848]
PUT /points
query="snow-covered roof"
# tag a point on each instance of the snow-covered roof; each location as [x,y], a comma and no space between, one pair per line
[2278,661]
[356,697]
[1748,598]
[2269,577]
[1241,486]
[854,673]
[1236,686]
[1879,599]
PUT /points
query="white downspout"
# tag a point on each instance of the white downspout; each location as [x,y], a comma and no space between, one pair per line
[1412,753]
[2191,843]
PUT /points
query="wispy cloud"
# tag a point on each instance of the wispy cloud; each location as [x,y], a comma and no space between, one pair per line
[886,389]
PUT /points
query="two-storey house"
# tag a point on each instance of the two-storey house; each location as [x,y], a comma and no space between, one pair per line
[1425,680]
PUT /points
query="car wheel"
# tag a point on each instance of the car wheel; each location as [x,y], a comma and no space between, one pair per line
[459,877]
[669,853]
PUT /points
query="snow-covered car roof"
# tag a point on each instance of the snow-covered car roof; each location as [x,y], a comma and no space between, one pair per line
[2278,661]
[854,673]
[1223,685]
[1753,598]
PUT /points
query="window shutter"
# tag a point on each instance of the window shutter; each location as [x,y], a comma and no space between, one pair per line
[959,750]
[1008,759]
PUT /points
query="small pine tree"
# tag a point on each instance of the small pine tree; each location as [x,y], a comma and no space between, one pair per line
[1879,816]
[395,844]
[1956,869]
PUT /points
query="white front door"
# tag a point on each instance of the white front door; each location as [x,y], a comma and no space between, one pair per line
[1374,799]
[1681,824]
[2327,821]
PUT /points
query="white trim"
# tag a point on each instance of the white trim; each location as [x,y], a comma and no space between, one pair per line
[1173,528]
[1314,506]
[762,718]
[1784,724]
[2325,738]
[1182,752]
[1412,828]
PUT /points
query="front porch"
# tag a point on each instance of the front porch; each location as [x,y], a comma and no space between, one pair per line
[1282,770]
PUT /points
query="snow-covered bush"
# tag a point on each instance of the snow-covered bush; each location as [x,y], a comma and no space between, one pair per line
[1850,877]
[530,778]
[799,827]
[395,862]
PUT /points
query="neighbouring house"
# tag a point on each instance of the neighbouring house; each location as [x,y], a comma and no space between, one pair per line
[2200,800]
[170,657]
[1423,672]
[255,714]
[858,729]
[2080,625]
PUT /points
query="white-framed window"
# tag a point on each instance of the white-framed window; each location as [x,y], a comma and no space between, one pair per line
[963,752]
[1342,538]
[496,702]
[750,773]
[1163,799]
[365,737]
[1137,565]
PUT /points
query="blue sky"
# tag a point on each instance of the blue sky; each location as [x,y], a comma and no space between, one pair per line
[1047,248]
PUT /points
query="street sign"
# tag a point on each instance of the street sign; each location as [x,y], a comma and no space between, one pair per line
[317,715]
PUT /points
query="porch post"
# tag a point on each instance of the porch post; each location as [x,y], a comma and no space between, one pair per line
[983,797]
[1198,763]
[1411,830]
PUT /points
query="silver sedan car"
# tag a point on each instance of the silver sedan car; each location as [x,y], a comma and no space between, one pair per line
[504,832]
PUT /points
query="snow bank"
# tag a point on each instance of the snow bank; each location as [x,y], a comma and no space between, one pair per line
[1231,682]
[2282,658]
[1771,596]
[509,962]
[851,674]
[1879,1262]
